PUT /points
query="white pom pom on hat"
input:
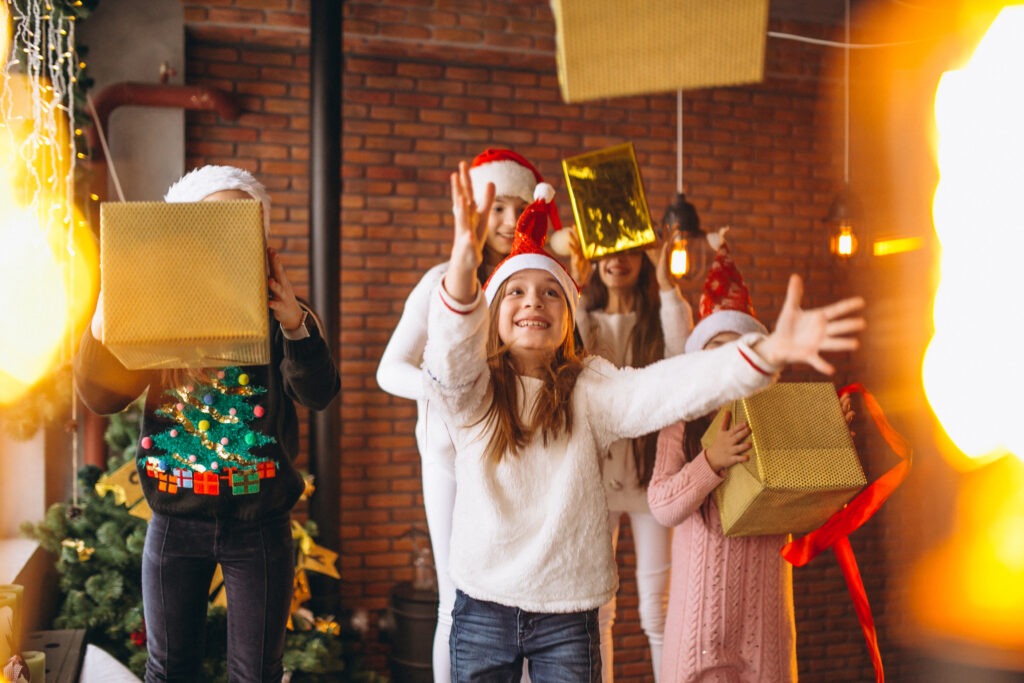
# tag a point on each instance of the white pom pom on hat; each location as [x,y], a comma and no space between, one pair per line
[200,183]
[511,173]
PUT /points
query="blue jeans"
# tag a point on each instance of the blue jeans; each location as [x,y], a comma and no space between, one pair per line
[178,563]
[489,641]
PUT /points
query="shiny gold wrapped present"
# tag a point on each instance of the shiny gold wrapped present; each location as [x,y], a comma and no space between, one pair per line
[612,48]
[608,202]
[184,284]
[802,468]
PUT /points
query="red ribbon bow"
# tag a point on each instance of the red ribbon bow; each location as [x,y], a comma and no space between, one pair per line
[835,531]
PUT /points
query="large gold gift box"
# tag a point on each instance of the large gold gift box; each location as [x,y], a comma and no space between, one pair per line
[184,284]
[616,48]
[608,201]
[802,468]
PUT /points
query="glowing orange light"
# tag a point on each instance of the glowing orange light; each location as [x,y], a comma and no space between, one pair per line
[844,243]
[679,259]
[899,245]
[970,372]
[48,259]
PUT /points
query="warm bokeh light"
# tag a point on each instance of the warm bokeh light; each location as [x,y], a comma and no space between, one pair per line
[898,245]
[979,570]
[48,258]
[972,370]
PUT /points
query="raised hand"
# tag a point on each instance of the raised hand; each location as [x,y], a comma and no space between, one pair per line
[659,254]
[730,445]
[582,269]
[469,237]
[800,336]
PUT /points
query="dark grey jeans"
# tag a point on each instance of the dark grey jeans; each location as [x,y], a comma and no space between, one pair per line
[178,563]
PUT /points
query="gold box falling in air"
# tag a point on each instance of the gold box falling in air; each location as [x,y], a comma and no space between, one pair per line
[802,468]
[608,202]
[184,284]
[616,48]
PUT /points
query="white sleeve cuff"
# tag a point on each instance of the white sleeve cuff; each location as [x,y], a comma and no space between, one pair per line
[457,307]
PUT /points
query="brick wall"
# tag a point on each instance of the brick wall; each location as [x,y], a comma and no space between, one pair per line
[427,83]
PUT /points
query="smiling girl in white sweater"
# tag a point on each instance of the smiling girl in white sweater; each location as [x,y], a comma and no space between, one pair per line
[531,551]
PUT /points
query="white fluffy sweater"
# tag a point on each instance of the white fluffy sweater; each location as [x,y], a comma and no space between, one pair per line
[531,532]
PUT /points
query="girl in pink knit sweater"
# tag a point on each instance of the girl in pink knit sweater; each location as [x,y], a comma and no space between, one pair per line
[730,612]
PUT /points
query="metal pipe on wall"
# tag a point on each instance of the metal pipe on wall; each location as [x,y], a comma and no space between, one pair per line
[324,259]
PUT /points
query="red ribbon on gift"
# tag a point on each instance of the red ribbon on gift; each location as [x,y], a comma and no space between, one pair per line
[835,531]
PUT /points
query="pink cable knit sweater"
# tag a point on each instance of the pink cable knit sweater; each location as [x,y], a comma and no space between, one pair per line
[730,609]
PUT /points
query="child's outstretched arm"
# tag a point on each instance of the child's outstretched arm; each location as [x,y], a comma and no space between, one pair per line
[801,335]
[470,235]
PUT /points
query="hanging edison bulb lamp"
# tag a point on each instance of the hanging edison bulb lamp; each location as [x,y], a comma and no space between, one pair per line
[689,252]
[844,209]
[841,216]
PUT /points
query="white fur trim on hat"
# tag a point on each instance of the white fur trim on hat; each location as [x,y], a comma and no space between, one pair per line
[722,321]
[200,183]
[511,179]
[532,261]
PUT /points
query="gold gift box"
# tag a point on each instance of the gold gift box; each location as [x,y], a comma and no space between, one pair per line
[184,284]
[612,48]
[803,466]
[608,202]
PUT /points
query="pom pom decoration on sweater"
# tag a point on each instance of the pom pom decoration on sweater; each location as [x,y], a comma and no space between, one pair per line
[213,437]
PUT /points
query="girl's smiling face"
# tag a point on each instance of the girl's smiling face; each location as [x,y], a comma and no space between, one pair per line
[620,271]
[533,319]
[501,223]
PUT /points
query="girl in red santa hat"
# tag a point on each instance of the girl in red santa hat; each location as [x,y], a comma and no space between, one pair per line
[514,179]
[730,611]
[531,553]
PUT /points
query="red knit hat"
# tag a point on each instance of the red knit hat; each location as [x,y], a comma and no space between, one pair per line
[528,248]
[511,173]
[725,304]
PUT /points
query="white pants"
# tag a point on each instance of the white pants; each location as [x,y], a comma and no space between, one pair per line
[438,476]
[653,546]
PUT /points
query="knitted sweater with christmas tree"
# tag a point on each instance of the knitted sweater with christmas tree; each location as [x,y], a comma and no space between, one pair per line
[221,446]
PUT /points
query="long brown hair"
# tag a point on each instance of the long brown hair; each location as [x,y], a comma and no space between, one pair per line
[646,346]
[552,413]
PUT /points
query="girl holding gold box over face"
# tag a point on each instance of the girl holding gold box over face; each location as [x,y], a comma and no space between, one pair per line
[216,452]
[632,315]
[530,418]
[730,611]
[399,372]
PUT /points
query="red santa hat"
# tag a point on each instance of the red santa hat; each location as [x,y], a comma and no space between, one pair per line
[511,173]
[528,249]
[200,183]
[725,304]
